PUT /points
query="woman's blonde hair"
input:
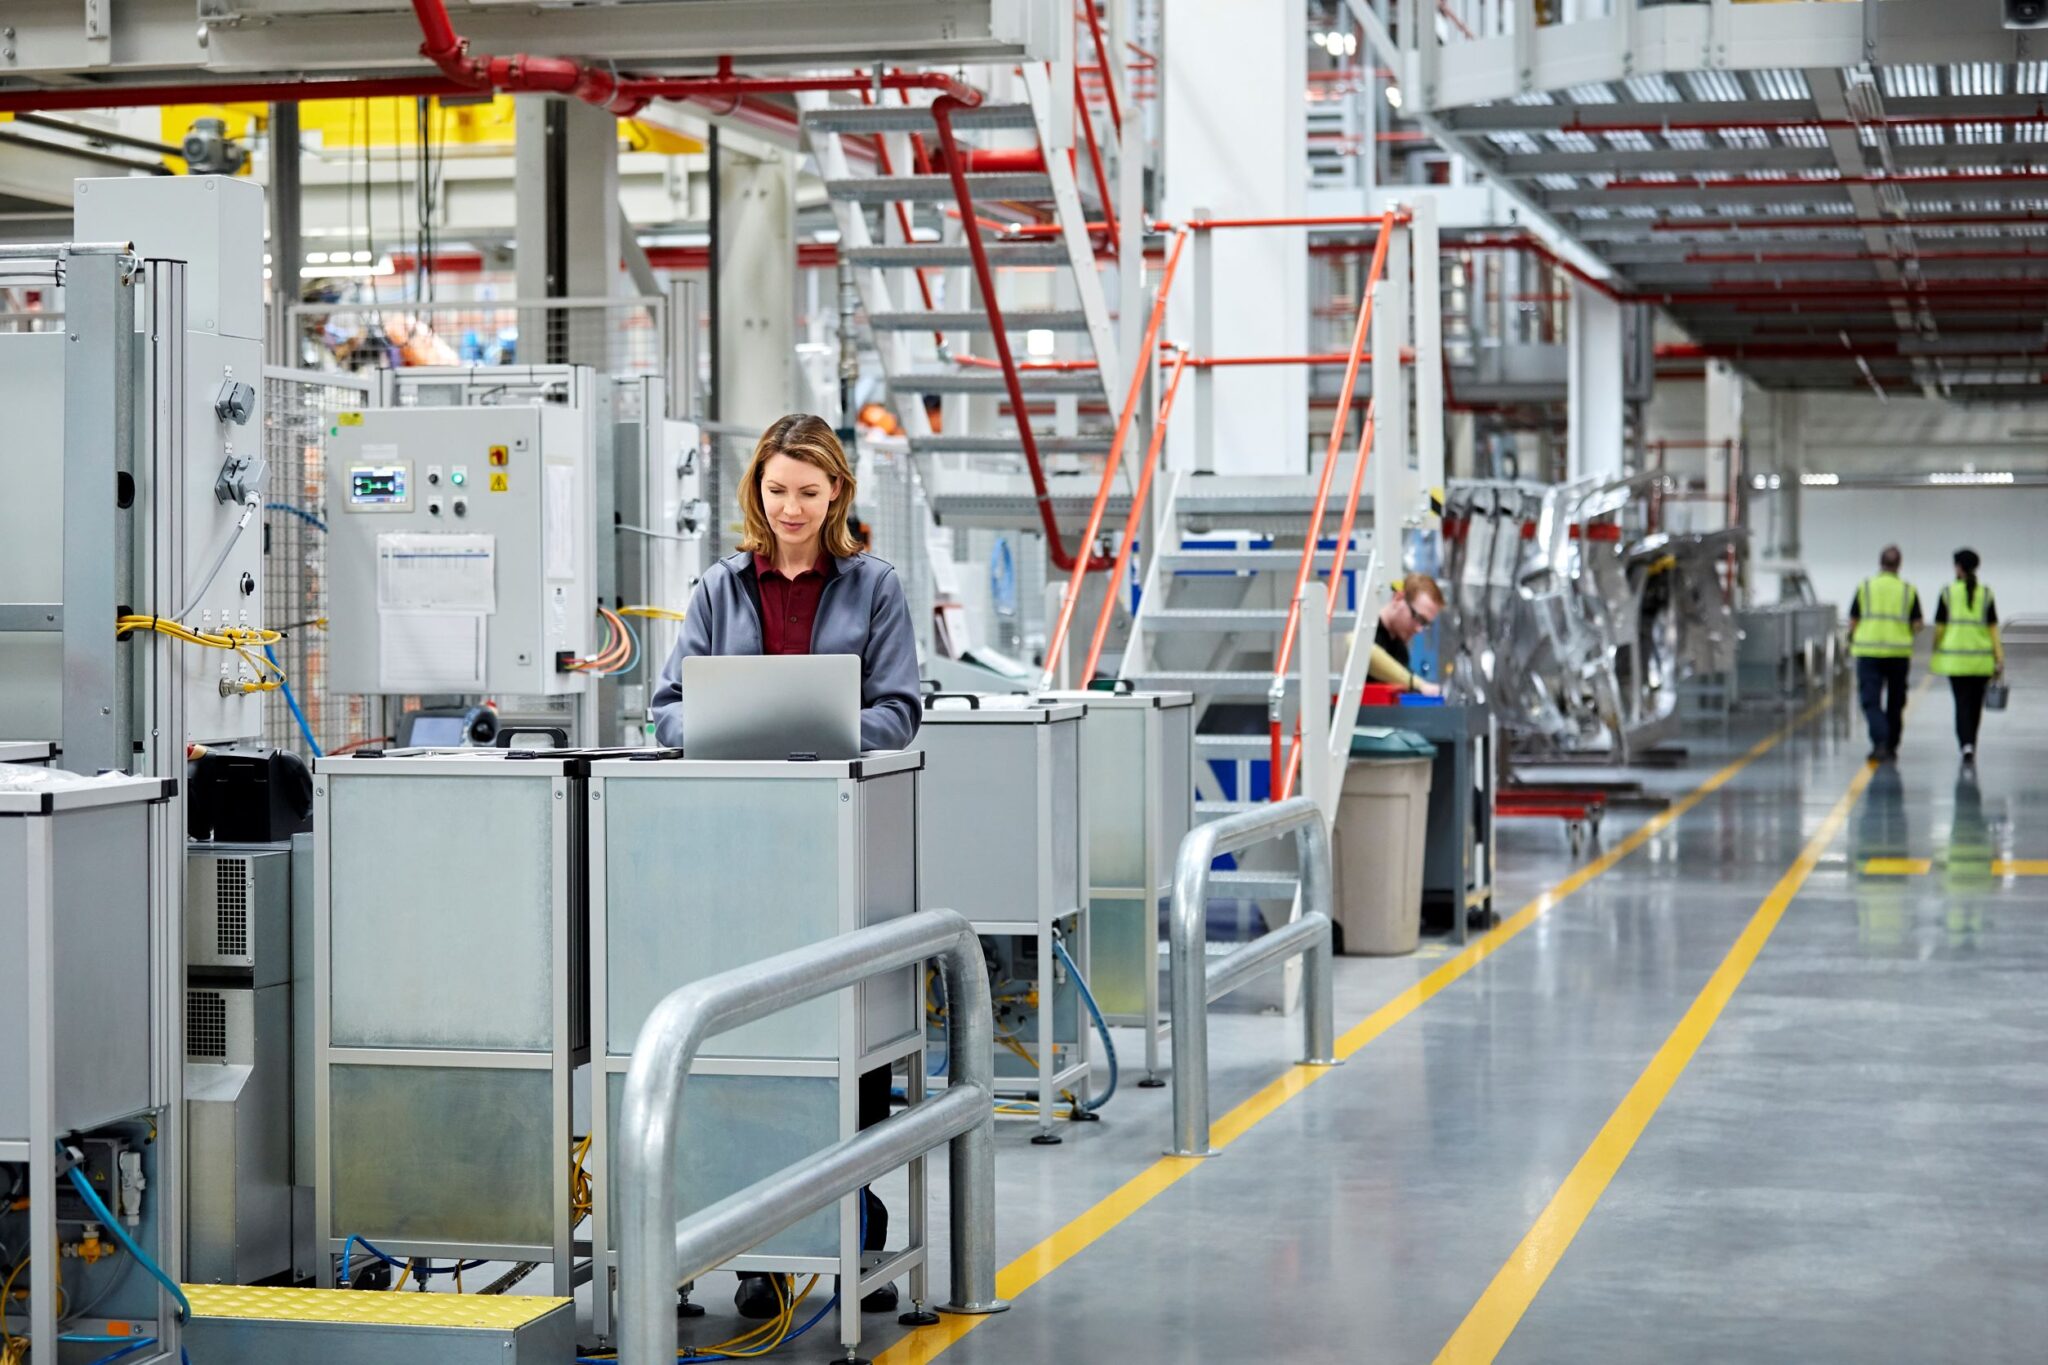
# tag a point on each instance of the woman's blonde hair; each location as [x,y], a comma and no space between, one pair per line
[801,437]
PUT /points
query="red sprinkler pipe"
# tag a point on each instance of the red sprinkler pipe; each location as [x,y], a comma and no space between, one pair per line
[1116,115]
[626,96]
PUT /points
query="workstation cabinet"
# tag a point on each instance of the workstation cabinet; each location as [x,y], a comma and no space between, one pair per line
[1005,841]
[449,931]
[1138,766]
[700,867]
[77,905]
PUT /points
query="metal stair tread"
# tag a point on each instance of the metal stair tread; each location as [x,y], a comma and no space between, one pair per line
[1231,684]
[1278,884]
[913,118]
[985,186]
[992,381]
[941,255]
[1250,561]
[941,444]
[1261,743]
[1252,496]
[1014,320]
[1222,619]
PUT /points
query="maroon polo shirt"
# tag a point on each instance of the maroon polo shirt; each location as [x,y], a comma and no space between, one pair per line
[789,606]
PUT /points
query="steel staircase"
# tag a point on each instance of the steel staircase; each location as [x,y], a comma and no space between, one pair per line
[1030,318]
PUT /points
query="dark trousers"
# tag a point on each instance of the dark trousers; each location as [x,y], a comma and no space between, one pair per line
[874,1107]
[1969,695]
[1882,683]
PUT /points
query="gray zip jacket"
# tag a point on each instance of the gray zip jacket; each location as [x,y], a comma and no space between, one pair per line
[862,611]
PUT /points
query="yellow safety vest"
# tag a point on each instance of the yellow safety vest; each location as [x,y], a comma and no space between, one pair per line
[1884,619]
[1965,649]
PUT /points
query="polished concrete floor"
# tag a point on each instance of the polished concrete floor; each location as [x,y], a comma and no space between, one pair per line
[1853,1166]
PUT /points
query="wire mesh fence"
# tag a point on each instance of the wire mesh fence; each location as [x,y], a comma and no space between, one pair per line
[299,411]
[623,336]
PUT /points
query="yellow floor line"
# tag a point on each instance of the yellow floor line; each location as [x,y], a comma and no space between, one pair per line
[1493,1319]
[2020,867]
[928,1343]
[1897,867]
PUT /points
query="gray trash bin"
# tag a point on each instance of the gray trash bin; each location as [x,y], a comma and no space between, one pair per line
[1377,848]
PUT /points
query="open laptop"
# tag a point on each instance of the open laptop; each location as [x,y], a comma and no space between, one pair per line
[756,707]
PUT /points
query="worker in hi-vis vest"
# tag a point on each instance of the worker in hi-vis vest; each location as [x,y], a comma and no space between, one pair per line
[1967,650]
[1882,621]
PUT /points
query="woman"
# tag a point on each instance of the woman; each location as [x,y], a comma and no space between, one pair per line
[800,584]
[1967,650]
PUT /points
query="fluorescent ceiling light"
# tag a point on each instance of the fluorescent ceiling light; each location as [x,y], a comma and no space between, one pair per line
[1819,480]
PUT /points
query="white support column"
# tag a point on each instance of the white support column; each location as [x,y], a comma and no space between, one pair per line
[1391,478]
[1594,407]
[566,221]
[1235,141]
[1429,346]
[1724,427]
[756,285]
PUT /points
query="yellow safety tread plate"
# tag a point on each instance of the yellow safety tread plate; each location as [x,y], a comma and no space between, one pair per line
[480,1312]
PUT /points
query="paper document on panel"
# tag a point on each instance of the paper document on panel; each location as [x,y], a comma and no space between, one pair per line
[559,531]
[431,651]
[450,573]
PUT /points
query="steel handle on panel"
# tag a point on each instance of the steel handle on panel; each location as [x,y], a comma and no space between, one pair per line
[655,1254]
[1195,981]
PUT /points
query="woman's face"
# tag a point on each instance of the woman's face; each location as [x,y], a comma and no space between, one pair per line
[796,496]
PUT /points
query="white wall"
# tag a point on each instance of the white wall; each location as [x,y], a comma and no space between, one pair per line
[1843,530]
[1235,136]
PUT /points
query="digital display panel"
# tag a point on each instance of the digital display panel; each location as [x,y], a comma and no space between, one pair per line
[376,485]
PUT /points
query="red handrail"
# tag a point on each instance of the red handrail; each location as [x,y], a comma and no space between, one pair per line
[1144,490]
[956,170]
[1095,159]
[1285,654]
[1072,596]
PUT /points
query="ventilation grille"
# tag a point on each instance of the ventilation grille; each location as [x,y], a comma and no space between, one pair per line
[231,907]
[206,1025]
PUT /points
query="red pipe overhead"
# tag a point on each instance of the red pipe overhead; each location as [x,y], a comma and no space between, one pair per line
[628,95]
[227,92]
[1581,124]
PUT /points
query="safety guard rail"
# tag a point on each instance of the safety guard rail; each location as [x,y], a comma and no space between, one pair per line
[1197,982]
[656,1254]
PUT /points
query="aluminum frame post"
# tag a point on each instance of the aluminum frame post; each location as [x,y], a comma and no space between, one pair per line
[656,1254]
[1205,347]
[1196,982]
[1428,301]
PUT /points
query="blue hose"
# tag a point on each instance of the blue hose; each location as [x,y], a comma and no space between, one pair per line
[293,703]
[1101,1027]
[301,513]
[421,1269]
[113,1225]
[130,1349]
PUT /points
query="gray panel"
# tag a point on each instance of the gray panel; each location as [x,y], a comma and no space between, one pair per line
[102,922]
[443,1154]
[1113,766]
[32,529]
[740,1129]
[1119,956]
[303,1083]
[703,875]
[889,862]
[1177,783]
[14,911]
[442,914]
[238,1153]
[1069,875]
[981,820]
[238,912]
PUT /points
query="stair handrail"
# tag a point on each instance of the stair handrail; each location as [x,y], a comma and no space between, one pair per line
[1070,596]
[1284,655]
[1130,539]
[1293,765]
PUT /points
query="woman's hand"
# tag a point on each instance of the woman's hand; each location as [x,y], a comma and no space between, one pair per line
[1427,688]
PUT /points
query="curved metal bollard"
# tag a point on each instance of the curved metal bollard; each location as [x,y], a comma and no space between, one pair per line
[1195,981]
[656,1254]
